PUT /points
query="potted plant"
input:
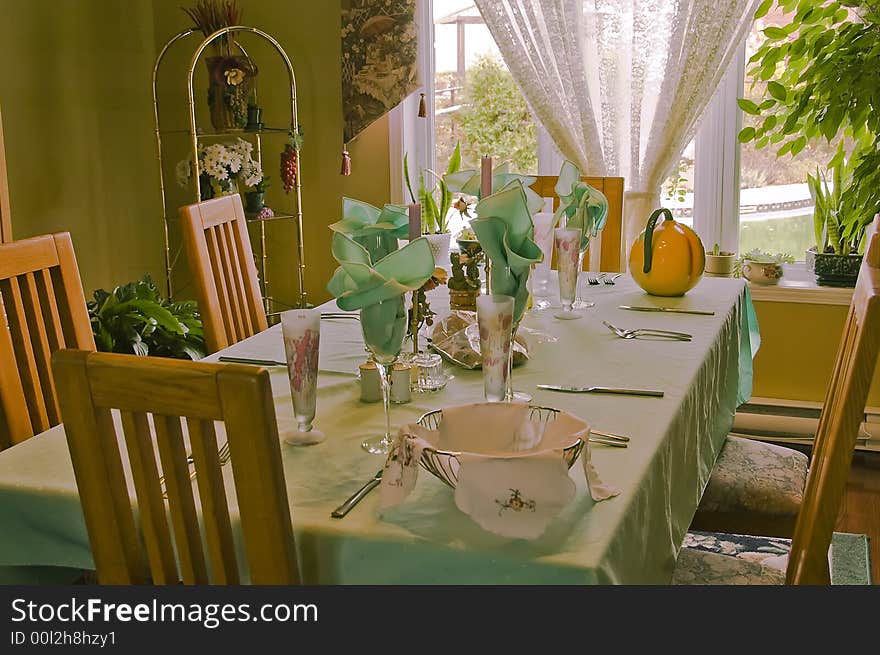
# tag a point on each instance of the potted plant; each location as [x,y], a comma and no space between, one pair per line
[255,196]
[134,318]
[818,77]
[720,263]
[221,166]
[434,226]
[836,258]
[762,267]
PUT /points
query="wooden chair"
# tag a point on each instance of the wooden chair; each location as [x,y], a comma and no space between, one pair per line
[90,384]
[842,414]
[222,263]
[42,309]
[612,257]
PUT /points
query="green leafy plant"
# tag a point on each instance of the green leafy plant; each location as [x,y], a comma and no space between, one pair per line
[433,214]
[820,74]
[134,318]
[836,229]
[760,257]
[495,118]
[717,252]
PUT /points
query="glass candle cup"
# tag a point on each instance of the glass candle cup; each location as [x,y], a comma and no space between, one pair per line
[495,322]
[301,330]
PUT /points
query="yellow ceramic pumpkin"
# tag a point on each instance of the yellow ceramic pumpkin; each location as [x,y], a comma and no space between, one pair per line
[668,258]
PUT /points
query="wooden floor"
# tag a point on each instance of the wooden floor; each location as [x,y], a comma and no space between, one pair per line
[860,512]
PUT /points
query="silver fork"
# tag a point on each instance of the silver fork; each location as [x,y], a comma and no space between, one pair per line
[648,332]
[594,280]
[222,454]
[610,280]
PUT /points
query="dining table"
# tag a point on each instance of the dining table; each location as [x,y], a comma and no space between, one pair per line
[632,538]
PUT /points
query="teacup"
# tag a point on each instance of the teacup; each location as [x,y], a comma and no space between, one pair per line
[762,272]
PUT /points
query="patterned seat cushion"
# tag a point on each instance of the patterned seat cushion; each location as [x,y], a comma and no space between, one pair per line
[755,477]
[714,558]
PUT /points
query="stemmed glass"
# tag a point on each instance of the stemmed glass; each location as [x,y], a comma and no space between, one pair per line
[568,262]
[495,320]
[384,328]
[578,303]
[301,330]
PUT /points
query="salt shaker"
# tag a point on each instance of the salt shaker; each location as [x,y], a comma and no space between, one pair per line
[371,386]
[400,383]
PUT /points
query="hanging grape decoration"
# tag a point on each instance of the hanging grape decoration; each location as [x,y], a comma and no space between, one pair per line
[290,160]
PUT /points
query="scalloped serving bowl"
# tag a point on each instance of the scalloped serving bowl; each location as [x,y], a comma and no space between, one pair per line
[560,431]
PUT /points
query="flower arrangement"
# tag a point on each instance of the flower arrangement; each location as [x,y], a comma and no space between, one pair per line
[208,16]
[221,166]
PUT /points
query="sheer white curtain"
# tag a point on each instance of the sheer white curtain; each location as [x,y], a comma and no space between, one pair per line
[620,84]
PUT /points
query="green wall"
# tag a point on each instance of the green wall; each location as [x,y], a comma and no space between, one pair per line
[78,118]
[76,115]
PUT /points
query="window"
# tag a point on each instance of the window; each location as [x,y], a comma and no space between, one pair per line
[735,196]
[776,211]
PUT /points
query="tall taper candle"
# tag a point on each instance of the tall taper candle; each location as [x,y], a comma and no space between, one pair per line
[485,176]
[485,192]
[415,231]
[415,221]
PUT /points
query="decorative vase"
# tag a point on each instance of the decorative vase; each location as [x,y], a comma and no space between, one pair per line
[206,188]
[254,201]
[254,119]
[834,270]
[439,244]
[231,82]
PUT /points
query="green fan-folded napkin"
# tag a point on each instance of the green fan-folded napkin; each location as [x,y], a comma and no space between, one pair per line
[359,282]
[506,233]
[583,206]
[375,229]
[468,183]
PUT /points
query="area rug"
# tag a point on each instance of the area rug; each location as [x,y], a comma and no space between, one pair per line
[850,557]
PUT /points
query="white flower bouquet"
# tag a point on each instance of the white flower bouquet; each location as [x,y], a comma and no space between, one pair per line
[221,166]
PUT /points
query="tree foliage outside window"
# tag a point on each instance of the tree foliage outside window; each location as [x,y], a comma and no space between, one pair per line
[822,76]
[495,119]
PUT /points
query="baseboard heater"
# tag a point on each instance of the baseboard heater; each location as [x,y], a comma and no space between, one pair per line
[796,422]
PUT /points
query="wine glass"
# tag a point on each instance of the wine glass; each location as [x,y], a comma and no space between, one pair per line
[495,320]
[384,328]
[301,330]
[568,262]
[582,249]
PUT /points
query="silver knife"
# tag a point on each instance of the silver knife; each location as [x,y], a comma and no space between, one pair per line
[624,392]
[666,309]
[248,360]
[357,496]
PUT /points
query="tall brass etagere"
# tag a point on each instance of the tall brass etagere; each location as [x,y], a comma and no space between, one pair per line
[196,134]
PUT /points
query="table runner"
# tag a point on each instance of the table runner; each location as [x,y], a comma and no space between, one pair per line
[633,538]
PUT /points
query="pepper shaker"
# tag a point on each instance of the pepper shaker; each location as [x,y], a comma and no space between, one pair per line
[400,383]
[371,386]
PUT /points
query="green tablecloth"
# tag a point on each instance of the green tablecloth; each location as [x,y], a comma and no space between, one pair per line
[632,538]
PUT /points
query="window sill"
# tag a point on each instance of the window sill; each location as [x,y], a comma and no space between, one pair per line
[798,285]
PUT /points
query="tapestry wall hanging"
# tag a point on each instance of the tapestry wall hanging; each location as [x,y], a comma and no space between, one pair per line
[379,62]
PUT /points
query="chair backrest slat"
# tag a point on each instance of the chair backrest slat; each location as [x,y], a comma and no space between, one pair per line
[170,392]
[612,244]
[184,519]
[222,263]
[42,309]
[218,530]
[842,415]
[145,474]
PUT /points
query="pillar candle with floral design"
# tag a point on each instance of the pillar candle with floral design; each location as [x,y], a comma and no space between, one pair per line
[301,329]
[495,321]
[567,241]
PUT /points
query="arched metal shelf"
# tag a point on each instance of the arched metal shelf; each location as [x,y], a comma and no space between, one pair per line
[195,134]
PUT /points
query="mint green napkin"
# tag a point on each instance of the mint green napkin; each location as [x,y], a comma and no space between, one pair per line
[468,183]
[375,229]
[506,233]
[377,289]
[583,206]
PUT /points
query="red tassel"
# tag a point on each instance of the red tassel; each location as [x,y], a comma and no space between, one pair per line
[346,163]
[423,109]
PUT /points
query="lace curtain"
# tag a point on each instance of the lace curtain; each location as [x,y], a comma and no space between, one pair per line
[619,84]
